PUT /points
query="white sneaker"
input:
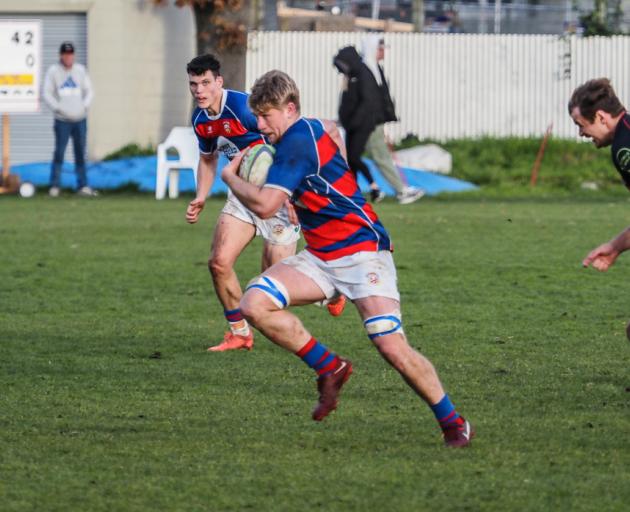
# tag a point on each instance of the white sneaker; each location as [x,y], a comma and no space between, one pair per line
[87,192]
[54,191]
[410,194]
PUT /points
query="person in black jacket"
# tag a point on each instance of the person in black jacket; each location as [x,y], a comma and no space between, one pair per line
[356,111]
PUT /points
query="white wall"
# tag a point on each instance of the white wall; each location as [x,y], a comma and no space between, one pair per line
[450,86]
[138,55]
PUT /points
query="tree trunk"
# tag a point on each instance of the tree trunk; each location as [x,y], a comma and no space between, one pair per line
[222,27]
[222,30]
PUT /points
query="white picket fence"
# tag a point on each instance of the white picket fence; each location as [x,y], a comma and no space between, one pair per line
[452,86]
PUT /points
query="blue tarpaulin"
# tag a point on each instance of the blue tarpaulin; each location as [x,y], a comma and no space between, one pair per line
[140,172]
[432,183]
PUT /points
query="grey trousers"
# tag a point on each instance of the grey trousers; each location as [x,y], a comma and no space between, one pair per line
[377,150]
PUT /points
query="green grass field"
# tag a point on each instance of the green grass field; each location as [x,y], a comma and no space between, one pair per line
[110,402]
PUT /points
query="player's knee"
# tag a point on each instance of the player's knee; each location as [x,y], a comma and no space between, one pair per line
[252,308]
[383,325]
[219,266]
[262,295]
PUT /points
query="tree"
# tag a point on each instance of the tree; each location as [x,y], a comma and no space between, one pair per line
[222,27]
[604,19]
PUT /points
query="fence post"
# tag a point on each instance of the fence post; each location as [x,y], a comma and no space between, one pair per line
[541,151]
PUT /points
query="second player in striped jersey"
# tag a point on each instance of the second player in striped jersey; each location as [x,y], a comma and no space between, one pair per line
[224,123]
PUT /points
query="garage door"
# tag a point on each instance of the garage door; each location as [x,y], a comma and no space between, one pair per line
[32,137]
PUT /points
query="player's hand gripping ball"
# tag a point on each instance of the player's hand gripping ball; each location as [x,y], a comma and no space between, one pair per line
[256,163]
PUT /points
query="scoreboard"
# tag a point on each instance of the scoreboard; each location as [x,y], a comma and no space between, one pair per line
[20,65]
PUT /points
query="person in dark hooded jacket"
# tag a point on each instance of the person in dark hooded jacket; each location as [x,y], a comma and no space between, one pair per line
[356,111]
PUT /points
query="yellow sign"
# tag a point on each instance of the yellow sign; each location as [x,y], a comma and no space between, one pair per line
[17,79]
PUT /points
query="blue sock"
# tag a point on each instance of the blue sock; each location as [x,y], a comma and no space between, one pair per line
[318,357]
[233,315]
[445,412]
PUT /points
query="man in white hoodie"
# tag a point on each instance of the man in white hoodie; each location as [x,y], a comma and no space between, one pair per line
[373,51]
[68,93]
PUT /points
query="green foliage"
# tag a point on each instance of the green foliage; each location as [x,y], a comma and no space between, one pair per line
[110,401]
[594,25]
[508,162]
[131,150]
[604,19]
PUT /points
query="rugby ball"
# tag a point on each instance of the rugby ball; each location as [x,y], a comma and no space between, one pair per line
[256,163]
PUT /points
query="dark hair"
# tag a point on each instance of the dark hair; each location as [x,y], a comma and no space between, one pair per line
[595,95]
[199,65]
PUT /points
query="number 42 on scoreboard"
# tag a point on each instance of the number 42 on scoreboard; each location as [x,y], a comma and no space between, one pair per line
[20,47]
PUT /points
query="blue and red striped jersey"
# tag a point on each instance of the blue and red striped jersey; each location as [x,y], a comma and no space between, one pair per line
[233,129]
[335,218]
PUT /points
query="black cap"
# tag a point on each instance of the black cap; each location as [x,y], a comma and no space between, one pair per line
[66,47]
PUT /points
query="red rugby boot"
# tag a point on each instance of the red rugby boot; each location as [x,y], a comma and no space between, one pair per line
[336,307]
[233,341]
[329,387]
[458,435]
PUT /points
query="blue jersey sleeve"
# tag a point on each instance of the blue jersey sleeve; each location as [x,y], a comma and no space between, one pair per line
[295,158]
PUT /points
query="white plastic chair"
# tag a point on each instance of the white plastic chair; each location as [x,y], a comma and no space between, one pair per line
[182,139]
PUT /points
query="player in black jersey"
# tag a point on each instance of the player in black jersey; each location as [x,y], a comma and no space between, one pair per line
[596,110]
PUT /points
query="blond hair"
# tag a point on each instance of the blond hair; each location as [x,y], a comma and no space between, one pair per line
[275,89]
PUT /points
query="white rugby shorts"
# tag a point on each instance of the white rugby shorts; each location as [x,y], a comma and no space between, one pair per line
[360,275]
[276,230]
